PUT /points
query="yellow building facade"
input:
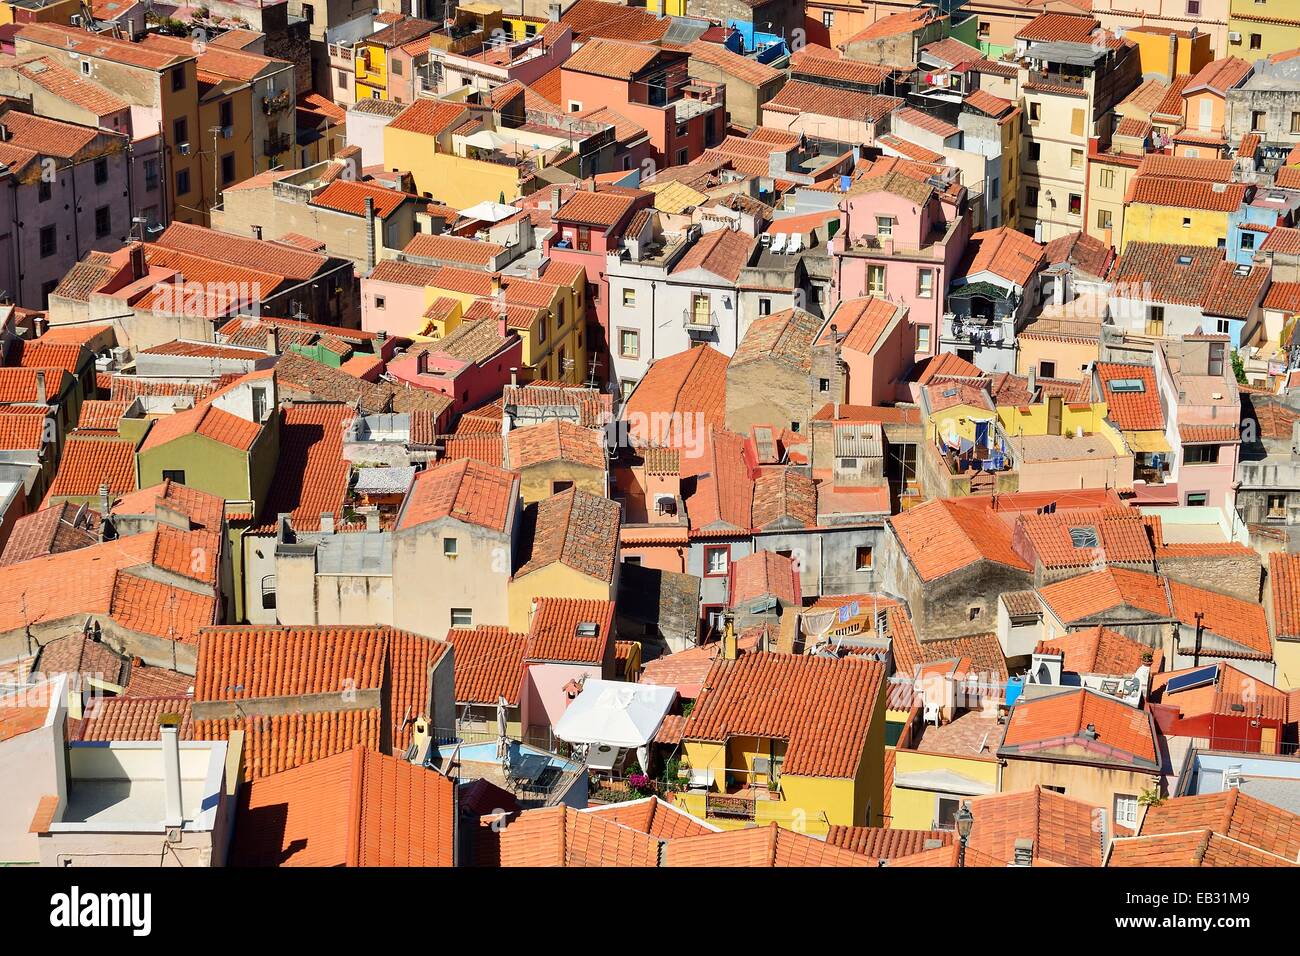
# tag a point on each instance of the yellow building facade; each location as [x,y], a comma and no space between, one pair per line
[1260,28]
[1146,222]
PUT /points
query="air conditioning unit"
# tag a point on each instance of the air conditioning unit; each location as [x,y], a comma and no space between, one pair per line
[75,19]
[1234,37]
[184,149]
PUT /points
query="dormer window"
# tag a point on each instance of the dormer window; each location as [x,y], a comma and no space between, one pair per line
[588,629]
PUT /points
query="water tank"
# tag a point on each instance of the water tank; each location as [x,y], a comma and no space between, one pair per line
[1015,686]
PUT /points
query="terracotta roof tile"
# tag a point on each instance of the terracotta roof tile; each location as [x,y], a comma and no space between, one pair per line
[593,18]
[802,96]
[884,843]
[1063,829]
[553,631]
[761,574]
[133,718]
[1193,848]
[556,441]
[1163,166]
[769,846]
[1231,814]
[653,816]
[489,663]
[1131,410]
[319,659]
[466,490]
[573,528]
[941,536]
[822,707]
[786,336]
[88,462]
[562,836]
[692,382]
[350,197]
[1099,650]
[1006,253]
[1059,28]
[1241,622]
[1088,595]
[1284,582]
[1120,733]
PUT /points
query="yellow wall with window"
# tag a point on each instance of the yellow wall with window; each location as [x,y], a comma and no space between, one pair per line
[555,581]
[1275,22]
[1144,222]
[446,177]
[914,809]
[1190,53]
[371,63]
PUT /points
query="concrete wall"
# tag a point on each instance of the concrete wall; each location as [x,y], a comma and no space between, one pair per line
[475,578]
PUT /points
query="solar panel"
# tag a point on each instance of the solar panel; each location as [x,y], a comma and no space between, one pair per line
[1196,678]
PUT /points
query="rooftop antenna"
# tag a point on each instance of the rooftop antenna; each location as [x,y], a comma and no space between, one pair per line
[591,372]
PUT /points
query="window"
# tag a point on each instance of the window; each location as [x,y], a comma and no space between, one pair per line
[1035,112]
[974,612]
[151,174]
[178,79]
[764,306]
[101,171]
[945,812]
[1200,454]
[1031,197]
[308,13]
[575,106]
[1193,8]
[462,617]
[176,476]
[85,68]
[584,238]
[259,404]
[380,301]
[1076,204]
[1126,810]
[983,28]
[1295,122]
[181,130]
[1155,326]
[1187,222]
[44,190]
[828,19]
[1047,369]
[450,548]
[1256,41]
[1035,152]
[923,338]
[1257,120]
[925,284]
[1223,327]
[1104,219]
[823,385]
[227,169]
[715,561]
[1247,240]
[682,156]
[374,94]
[1277,506]
[629,297]
[397,67]
[558,486]
[1216,359]
[876,280]
[1107,179]
[343,79]
[863,558]
[885,227]
[103,222]
[1197,499]
[629,343]
[268,592]
[626,387]
[49,241]
[1076,159]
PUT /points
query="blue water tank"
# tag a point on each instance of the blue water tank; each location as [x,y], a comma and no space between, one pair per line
[1015,686]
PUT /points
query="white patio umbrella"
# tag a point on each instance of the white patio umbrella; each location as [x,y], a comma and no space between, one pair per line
[503,739]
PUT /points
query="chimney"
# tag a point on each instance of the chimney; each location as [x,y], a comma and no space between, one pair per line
[138,265]
[273,340]
[169,726]
[370,233]
[41,398]
[729,649]
[1023,853]
[1033,381]
[372,518]
[105,505]
[327,522]
[503,326]
[514,378]
[556,193]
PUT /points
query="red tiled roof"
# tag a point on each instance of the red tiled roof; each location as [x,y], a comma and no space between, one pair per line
[1230,813]
[1282,240]
[803,96]
[356,808]
[1006,253]
[594,18]
[1192,848]
[654,816]
[1284,582]
[1131,411]
[764,846]
[1164,166]
[1120,733]
[986,102]
[1219,75]
[764,573]
[562,836]
[927,122]
[1092,594]
[489,663]
[89,462]
[572,528]
[242,251]
[942,536]
[1187,194]
[311,475]
[466,490]
[350,197]
[133,718]
[556,441]
[553,631]
[1241,622]
[1059,27]
[1121,535]
[1099,650]
[1063,829]
[318,659]
[690,383]
[885,843]
[429,117]
[823,708]
[816,64]
[896,24]
[206,420]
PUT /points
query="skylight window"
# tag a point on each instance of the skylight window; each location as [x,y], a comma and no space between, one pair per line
[1184,260]
[1128,385]
[1084,537]
[588,628]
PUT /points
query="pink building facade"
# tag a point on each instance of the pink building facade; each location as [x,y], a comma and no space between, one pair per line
[902,241]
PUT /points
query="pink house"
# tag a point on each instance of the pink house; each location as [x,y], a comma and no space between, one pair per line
[471,365]
[569,641]
[874,343]
[394,298]
[649,85]
[901,239]
[1198,387]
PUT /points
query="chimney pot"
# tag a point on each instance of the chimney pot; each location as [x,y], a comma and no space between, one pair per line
[169,728]
[327,522]
[372,518]
[41,397]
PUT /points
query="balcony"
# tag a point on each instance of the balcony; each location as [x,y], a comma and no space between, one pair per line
[730,807]
[274,145]
[278,103]
[696,321]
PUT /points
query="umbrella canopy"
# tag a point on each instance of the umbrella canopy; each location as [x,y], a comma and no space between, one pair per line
[617,713]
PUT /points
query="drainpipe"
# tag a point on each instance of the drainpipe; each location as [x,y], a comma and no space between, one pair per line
[370,233]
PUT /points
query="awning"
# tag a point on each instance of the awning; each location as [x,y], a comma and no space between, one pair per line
[1147,441]
[616,713]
